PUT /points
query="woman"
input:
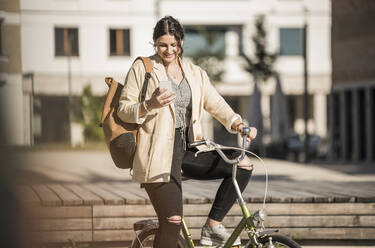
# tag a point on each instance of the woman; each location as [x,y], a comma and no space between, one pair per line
[170,119]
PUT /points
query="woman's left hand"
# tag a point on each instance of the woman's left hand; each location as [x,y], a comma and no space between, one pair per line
[252,134]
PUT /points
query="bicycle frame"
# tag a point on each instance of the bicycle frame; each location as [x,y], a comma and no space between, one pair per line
[246,222]
[256,237]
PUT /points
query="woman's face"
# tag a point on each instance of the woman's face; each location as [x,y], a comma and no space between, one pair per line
[167,48]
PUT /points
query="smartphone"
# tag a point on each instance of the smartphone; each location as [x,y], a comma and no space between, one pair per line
[166,85]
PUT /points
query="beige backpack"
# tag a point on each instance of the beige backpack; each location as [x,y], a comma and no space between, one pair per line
[121,137]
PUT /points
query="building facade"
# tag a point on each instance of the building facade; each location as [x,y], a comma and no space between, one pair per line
[352,101]
[67,45]
[11,89]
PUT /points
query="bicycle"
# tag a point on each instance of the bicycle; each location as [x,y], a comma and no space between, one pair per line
[253,223]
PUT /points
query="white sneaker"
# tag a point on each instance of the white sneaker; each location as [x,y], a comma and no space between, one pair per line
[216,236]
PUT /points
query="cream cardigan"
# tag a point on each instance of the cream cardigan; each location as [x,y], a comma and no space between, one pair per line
[153,157]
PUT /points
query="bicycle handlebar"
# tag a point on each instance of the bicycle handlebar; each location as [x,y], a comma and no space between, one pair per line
[244,133]
[213,146]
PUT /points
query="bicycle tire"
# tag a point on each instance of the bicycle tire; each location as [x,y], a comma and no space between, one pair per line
[146,238]
[279,241]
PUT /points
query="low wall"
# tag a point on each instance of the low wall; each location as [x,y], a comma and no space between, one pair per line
[91,213]
[114,222]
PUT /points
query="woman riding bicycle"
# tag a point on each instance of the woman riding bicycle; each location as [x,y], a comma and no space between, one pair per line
[168,120]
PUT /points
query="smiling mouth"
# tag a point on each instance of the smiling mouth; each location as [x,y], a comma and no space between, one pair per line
[168,55]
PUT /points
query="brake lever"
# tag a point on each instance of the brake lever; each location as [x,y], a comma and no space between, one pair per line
[207,150]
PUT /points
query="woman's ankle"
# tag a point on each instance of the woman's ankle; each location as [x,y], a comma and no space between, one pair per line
[211,223]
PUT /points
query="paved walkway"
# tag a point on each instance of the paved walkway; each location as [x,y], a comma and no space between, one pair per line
[287,179]
[96,166]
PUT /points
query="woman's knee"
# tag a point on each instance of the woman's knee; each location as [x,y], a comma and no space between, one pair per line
[243,175]
[246,164]
[175,219]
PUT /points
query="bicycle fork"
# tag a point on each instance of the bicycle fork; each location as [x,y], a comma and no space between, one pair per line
[187,234]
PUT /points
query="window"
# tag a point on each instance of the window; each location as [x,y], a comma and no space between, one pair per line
[291,41]
[208,40]
[119,42]
[66,42]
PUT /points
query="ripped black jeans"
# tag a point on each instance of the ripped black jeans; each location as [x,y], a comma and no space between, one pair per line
[167,197]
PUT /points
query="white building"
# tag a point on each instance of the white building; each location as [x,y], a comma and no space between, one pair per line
[107,35]
[11,89]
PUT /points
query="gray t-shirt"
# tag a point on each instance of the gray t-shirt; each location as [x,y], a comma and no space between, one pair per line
[182,103]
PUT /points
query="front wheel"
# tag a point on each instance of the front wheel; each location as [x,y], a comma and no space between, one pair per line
[278,241]
[146,239]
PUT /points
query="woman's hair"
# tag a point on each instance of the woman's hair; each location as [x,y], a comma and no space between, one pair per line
[169,25]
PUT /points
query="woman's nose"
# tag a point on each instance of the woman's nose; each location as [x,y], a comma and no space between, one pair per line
[170,49]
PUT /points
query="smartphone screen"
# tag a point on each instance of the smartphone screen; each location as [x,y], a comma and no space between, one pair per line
[166,85]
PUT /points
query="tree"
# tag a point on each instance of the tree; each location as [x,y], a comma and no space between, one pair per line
[87,110]
[260,65]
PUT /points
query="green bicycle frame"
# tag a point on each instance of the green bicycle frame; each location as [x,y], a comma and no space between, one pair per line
[187,235]
[246,221]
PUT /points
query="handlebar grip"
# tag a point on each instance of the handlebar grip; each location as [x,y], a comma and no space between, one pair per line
[197,143]
[245,131]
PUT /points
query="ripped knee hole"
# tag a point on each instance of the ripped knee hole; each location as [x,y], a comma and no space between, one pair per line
[174,219]
[247,166]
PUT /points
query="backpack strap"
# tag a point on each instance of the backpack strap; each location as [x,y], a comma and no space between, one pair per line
[113,87]
[148,65]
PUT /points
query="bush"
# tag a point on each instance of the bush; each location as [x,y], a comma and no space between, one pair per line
[91,112]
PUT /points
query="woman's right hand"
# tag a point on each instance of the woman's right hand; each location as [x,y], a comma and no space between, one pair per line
[159,100]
